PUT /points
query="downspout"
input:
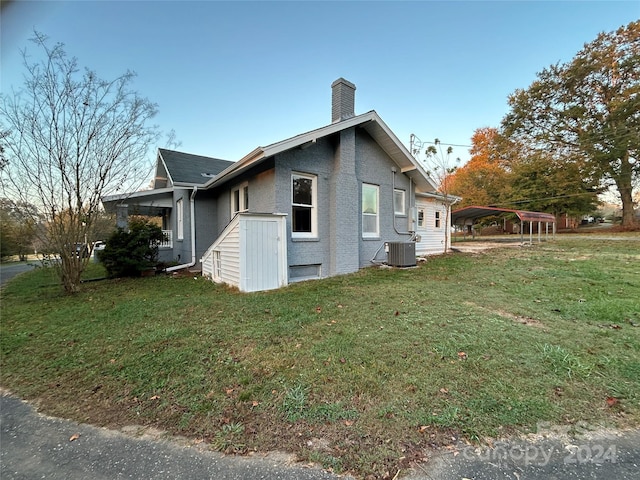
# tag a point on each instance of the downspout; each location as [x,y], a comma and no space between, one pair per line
[412,234]
[192,204]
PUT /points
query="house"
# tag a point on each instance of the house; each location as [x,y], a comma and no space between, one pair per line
[326,202]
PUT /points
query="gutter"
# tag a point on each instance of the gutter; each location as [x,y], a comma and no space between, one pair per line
[192,204]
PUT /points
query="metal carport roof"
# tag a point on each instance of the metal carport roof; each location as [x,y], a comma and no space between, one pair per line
[460,216]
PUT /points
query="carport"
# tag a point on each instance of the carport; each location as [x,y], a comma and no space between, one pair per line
[468,215]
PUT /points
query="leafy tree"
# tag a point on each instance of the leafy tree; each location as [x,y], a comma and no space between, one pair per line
[483,180]
[127,253]
[20,222]
[542,183]
[588,111]
[73,139]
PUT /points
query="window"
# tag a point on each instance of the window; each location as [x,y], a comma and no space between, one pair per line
[240,199]
[437,219]
[370,223]
[398,202]
[217,265]
[303,206]
[180,219]
[421,217]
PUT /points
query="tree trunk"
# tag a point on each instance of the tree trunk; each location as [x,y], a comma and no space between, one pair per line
[628,217]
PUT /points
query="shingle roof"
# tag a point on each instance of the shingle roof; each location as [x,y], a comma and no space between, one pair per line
[185,168]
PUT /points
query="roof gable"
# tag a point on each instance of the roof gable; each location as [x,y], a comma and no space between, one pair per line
[187,169]
[370,121]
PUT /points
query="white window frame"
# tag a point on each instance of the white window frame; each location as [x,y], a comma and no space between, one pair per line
[180,219]
[313,207]
[438,219]
[421,217]
[217,265]
[398,201]
[242,191]
[376,214]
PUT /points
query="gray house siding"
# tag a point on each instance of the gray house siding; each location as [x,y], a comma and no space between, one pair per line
[311,161]
[261,197]
[206,221]
[182,247]
[375,167]
[341,164]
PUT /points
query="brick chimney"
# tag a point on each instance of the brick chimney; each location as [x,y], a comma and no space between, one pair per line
[343,99]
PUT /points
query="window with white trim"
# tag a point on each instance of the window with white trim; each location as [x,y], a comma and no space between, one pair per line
[437,219]
[240,199]
[421,217]
[180,219]
[398,202]
[217,265]
[304,214]
[370,209]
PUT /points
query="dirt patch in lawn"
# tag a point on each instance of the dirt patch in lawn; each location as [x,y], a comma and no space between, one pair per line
[522,319]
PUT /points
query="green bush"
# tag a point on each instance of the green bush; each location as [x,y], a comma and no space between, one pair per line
[128,253]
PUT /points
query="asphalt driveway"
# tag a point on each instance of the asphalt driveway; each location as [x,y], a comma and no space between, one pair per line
[36,446]
[10,270]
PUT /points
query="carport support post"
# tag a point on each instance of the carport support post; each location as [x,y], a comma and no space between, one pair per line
[539,232]
[530,232]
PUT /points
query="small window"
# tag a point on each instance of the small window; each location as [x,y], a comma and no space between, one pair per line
[240,199]
[217,265]
[437,219]
[303,206]
[398,202]
[180,219]
[421,217]
[370,207]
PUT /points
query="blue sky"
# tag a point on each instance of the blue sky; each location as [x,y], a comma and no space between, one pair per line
[231,76]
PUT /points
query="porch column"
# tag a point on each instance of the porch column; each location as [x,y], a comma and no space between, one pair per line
[122,216]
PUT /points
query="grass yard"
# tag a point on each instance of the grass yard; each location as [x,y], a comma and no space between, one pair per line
[361,373]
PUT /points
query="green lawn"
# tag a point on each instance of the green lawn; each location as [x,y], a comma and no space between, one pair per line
[361,373]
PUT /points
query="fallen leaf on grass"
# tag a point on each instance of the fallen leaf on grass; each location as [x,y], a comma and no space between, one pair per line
[318,309]
[611,401]
[73,437]
[155,397]
[462,355]
[444,390]
[348,423]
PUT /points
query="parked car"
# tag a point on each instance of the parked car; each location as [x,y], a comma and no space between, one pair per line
[81,250]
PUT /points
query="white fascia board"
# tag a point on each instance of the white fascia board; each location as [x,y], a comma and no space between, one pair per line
[439,196]
[139,194]
[243,163]
[169,178]
[261,153]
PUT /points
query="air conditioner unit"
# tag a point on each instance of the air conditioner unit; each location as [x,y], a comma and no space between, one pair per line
[401,254]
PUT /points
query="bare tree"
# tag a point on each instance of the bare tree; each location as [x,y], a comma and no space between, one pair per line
[439,165]
[73,138]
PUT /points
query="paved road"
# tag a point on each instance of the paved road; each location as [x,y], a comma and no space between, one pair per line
[10,270]
[35,446]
